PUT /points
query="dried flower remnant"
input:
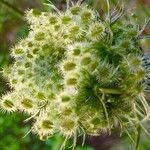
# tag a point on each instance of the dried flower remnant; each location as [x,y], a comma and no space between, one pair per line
[76,73]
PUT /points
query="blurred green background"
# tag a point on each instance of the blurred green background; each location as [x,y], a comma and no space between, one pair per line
[12,28]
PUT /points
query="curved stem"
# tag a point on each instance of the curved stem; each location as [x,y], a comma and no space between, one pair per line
[19,12]
[67,2]
[137,137]
[106,112]
[108,7]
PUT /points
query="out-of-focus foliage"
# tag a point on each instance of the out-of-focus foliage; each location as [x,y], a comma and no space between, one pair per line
[12,28]
[126,144]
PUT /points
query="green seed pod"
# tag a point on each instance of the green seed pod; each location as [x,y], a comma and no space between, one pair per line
[40,96]
[76,52]
[66,112]
[18,51]
[21,72]
[66,19]
[75,10]
[68,66]
[43,127]
[39,36]
[46,124]
[85,60]
[7,104]
[86,16]
[53,20]
[68,126]
[29,56]
[27,103]
[65,98]
[36,12]
[97,30]
[71,81]
[28,64]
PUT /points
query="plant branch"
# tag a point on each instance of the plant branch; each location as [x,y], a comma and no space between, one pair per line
[108,7]
[144,37]
[110,91]
[137,137]
[13,8]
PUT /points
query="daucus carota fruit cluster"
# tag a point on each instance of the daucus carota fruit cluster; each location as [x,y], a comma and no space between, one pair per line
[78,72]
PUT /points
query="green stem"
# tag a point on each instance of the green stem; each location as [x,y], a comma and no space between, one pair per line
[108,7]
[145,37]
[137,137]
[105,110]
[13,8]
[110,91]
